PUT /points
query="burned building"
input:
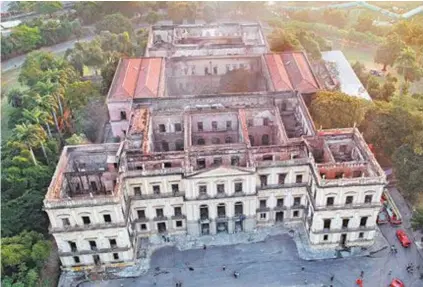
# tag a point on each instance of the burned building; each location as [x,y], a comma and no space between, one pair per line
[200,157]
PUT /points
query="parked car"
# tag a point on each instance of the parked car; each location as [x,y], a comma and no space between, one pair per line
[403,238]
[396,283]
[382,217]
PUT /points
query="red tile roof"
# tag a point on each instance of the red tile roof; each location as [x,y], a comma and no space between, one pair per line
[278,73]
[296,69]
[139,78]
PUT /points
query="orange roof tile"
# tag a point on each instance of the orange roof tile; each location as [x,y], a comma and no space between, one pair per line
[278,73]
[149,78]
[299,72]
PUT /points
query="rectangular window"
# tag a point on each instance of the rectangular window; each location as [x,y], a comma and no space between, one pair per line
[368,198]
[159,212]
[93,185]
[281,178]
[156,189]
[162,128]
[235,160]
[297,200]
[361,235]
[345,223]
[296,213]
[116,256]
[229,125]
[76,259]
[265,122]
[112,243]
[214,126]
[250,123]
[86,220]
[175,187]
[202,189]
[238,186]
[93,244]
[141,214]
[339,175]
[263,203]
[215,70]
[349,199]
[357,173]
[263,215]
[263,180]
[326,223]
[137,190]
[330,200]
[178,127]
[143,226]
[72,246]
[179,223]
[167,164]
[325,237]
[200,126]
[220,188]
[107,218]
[123,115]
[206,70]
[299,178]
[363,221]
[201,163]
[279,202]
[177,210]
[65,222]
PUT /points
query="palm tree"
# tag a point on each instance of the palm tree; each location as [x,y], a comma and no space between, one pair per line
[49,88]
[407,65]
[48,103]
[39,116]
[32,136]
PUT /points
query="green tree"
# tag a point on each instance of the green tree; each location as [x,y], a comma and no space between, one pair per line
[388,52]
[407,65]
[77,139]
[309,44]
[49,8]
[417,220]
[364,23]
[373,87]
[337,110]
[388,89]
[40,117]
[89,11]
[335,18]
[26,38]
[78,94]
[115,23]
[152,18]
[178,11]
[33,136]
[282,40]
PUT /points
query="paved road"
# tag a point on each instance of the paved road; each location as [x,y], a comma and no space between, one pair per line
[274,262]
[16,62]
[59,48]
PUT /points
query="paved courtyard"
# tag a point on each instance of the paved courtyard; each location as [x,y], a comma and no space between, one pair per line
[273,262]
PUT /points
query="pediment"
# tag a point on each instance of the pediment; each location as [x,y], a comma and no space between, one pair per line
[220,171]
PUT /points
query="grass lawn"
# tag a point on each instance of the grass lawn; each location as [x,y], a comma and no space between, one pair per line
[8,80]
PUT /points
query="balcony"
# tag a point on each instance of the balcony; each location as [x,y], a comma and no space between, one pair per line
[343,230]
[225,195]
[280,208]
[179,216]
[160,218]
[204,219]
[263,209]
[164,171]
[285,185]
[97,251]
[298,206]
[85,227]
[142,219]
[222,218]
[348,206]
[157,195]
[239,216]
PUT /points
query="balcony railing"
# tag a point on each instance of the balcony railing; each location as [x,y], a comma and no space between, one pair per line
[72,228]
[164,171]
[225,195]
[179,216]
[160,218]
[342,230]
[263,209]
[348,206]
[157,195]
[284,185]
[99,250]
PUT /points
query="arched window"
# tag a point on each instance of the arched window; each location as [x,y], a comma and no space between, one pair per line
[265,140]
[215,141]
[238,208]
[201,141]
[228,140]
[251,138]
